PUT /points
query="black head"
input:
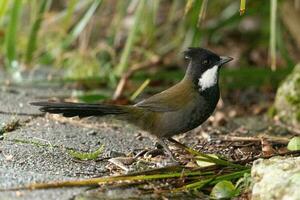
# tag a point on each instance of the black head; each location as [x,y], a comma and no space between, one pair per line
[204,64]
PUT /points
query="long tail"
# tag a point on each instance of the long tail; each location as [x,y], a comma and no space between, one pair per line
[81,110]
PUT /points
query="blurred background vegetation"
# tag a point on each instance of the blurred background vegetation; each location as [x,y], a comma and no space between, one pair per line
[125,45]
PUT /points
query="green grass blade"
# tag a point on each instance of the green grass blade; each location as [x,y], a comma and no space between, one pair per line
[202,12]
[130,40]
[214,180]
[3,6]
[188,6]
[193,33]
[31,45]
[175,5]
[117,20]
[11,35]
[273,34]
[69,12]
[230,176]
[149,25]
[100,180]
[140,89]
[208,158]
[81,24]
[196,185]
[242,7]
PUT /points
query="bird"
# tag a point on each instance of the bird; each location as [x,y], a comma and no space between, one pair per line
[178,109]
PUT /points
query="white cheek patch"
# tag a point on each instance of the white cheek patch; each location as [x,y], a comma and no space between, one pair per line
[209,78]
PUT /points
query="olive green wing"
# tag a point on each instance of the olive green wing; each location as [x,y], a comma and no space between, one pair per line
[169,100]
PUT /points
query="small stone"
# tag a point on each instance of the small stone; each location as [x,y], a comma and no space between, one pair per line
[232,113]
[122,162]
[92,132]
[219,119]
[267,148]
[114,154]
[259,110]
[154,152]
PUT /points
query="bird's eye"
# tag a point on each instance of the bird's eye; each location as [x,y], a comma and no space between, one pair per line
[205,62]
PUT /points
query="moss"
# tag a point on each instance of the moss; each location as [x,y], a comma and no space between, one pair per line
[298,116]
[298,80]
[272,111]
[293,99]
[287,100]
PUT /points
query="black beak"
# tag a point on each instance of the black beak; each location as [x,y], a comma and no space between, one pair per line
[224,59]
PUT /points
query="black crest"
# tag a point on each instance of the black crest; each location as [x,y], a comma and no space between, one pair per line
[199,54]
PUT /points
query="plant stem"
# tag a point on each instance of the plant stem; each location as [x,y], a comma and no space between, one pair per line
[242,7]
[81,24]
[273,34]
[31,45]
[3,6]
[130,40]
[11,35]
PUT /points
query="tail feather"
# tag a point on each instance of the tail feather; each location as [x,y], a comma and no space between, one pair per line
[81,110]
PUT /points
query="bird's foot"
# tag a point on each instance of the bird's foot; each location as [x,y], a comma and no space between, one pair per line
[162,142]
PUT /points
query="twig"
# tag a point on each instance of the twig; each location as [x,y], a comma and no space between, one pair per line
[253,139]
[101,180]
[140,89]
[294,153]
[22,114]
[137,67]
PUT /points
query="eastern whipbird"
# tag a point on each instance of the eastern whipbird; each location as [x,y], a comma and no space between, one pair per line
[176,110]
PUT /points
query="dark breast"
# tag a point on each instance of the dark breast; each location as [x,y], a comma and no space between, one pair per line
[207,103]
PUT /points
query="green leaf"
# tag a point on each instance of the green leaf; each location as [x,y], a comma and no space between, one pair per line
[86,156]
[294,144]
[203,162]
[223,190]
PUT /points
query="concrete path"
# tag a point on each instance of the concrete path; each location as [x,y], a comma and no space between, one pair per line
[33,147]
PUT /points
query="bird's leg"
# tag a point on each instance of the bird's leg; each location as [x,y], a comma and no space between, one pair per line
[172,140]
[176,143]
[162,142]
